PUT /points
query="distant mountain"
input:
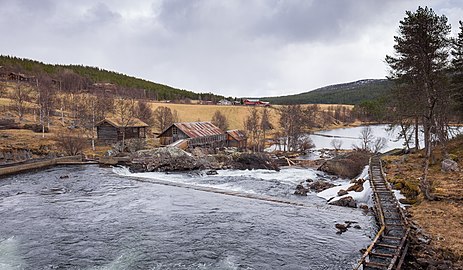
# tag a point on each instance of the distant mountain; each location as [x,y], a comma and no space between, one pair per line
[346,93]
[88,76]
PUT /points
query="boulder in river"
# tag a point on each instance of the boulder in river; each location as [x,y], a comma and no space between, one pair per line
[301,190]
[357,186]
[347,165]
[319,186]
[249,161]
[345,201]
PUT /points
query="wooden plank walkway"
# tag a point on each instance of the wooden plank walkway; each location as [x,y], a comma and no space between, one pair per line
[389,247]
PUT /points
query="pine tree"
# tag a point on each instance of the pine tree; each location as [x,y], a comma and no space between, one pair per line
[457,70]
[419,65]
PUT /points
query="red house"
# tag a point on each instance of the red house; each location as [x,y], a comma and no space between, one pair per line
[255,102]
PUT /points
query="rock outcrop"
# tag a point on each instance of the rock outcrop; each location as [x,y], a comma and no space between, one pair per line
[165,159]
[175,159]
[348,165]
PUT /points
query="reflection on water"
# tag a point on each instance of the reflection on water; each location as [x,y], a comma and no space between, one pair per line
[96,219]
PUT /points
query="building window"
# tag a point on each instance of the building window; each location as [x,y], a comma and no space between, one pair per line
[174,131]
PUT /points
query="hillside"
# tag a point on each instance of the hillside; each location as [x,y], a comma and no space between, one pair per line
[87,76]
[346,93]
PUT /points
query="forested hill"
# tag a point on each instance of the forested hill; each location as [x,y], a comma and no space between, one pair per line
[346,93]
[87,76]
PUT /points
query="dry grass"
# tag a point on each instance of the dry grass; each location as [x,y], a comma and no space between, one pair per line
[442,219]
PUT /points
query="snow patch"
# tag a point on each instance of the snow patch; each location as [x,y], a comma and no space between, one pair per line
[361,197]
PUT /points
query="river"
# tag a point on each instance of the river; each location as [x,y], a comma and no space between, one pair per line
[90,217]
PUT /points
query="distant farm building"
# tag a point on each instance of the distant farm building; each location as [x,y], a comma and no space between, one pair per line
[203,134]
[224,102]
[111,130]
[255,102]
[236,138]
[19,77]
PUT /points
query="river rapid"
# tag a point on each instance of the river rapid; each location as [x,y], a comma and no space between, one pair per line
[88,217]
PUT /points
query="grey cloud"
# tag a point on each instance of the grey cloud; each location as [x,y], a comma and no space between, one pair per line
[101,13]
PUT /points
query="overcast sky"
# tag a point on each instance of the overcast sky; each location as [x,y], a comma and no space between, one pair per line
[229,47]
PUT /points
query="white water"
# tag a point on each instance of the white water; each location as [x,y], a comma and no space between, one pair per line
[263,182]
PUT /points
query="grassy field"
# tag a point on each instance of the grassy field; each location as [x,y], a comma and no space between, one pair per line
[236,115]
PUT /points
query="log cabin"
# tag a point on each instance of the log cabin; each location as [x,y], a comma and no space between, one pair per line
[236,138]
[198,134]
[110,130]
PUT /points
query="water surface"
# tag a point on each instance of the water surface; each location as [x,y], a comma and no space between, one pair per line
[97,219]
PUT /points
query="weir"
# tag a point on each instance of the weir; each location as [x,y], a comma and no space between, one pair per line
[224,192]
[389,247]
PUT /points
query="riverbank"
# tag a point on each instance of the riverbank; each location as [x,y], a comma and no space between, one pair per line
[41,164]
[437,224]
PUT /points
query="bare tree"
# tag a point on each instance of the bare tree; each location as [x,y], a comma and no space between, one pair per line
[164,117]
[379,144]
[71,143]
[92,109]
[20,95]
[293,122]
[312,112]
[2,89]
[220,120]
[336,144]
[124,109]
[265,125]
[45,100]
[367,137]
[144,112]
[251,125]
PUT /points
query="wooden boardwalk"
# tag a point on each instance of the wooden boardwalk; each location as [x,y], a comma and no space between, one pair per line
[389,247]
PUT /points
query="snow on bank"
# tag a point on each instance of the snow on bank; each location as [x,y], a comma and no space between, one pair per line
[361,197]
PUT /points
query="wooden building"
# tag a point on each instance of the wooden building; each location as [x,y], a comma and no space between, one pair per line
[236,138]
[255,102]
[203,134]
[110,130]
[19,77]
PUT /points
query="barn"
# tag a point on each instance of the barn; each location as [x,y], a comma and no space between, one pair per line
[110,130]
[236,138]
[203,134]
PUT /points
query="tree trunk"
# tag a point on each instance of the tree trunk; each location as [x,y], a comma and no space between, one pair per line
[417,138]
[425,183]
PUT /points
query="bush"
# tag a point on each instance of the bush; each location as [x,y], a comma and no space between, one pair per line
[36,128]
[70,143]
